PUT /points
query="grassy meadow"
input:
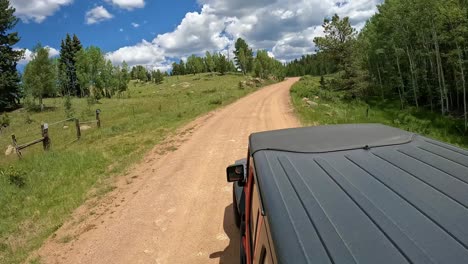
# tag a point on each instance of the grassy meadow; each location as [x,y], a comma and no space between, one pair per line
[334,108]
[38,192]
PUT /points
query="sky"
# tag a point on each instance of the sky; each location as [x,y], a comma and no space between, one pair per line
[156,33]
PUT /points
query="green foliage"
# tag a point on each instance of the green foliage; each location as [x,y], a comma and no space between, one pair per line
[337,44]
[336,107]
[68,107]
[4,120]
[209,62]
[67,72]
[14,176]
[9,77]
[414,51]
[158,76]
[315,64]
[39,75]
[195,65]
[244,56]
[266,67]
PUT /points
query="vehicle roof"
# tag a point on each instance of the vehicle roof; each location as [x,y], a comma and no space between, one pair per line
[393,202]
[328,138]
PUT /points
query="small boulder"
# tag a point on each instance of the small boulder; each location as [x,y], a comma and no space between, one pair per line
[316,97]
[65,127]
[312,103]
[305,99]
[85,127]
[10,150]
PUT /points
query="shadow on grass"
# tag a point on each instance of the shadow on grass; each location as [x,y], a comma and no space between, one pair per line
[230,255]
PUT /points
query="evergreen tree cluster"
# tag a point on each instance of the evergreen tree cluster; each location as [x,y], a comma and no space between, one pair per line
[312,64]
[67,76]
[77,72]
[141,74]
[216,62]
[10,91]
[262,65]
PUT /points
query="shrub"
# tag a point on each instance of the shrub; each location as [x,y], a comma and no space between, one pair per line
[4,120]
[15,176]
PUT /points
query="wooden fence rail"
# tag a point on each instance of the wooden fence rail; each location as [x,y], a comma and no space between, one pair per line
[45,139]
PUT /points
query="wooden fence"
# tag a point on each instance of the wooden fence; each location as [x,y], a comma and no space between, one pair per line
[45,137]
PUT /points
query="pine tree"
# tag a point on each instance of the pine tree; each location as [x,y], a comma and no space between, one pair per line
[9,57]
[244,56]
[69,48]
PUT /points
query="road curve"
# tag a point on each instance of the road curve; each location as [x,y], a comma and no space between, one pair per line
[175,207]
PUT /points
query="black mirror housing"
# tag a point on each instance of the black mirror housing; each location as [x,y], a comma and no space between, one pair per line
[235,173]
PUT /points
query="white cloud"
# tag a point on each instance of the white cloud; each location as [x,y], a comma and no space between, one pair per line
[28,54]
[196,33]
[135,25]
[285,28]
[144,53]
[121,30]
[97,15]
[128,4]
[37,10]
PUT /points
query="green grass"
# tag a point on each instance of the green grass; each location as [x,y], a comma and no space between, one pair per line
[335,108]
[39,192]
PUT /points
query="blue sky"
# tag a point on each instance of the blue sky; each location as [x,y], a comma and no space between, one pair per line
[154,18]
[156,33]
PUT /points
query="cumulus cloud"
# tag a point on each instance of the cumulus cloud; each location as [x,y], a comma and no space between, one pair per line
[128,4]
[196,33]
[144,53]
[29,55]
[97,15]
[135,25]
[37,10]
[285,28]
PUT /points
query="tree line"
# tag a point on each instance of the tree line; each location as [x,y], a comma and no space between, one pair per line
[81,72]
[413,51]
[261,65]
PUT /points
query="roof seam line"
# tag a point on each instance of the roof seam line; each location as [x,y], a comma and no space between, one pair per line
[310,217]
[423,149]
[432,166]
[445,147]
[418,179]
[412,204]
[364,211]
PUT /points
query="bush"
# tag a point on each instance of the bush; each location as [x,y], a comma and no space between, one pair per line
[69,112]
[4,120]
[15,176]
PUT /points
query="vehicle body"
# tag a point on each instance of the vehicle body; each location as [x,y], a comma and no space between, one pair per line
[351,194]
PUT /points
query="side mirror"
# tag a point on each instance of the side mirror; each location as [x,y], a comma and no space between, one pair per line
[235,173]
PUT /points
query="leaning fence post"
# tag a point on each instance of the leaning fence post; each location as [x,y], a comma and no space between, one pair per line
[45,136]
[98,119]
[78,130]
[15,144]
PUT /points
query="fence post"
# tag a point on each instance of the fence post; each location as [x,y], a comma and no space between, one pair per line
[45,136]
[15,144]
[98,118]
[78,130]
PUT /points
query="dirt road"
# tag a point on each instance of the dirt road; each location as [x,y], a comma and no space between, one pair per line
[175,207]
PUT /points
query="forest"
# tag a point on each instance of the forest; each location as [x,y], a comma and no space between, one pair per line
[412,51]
